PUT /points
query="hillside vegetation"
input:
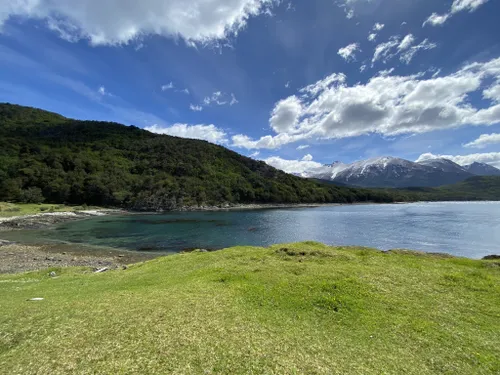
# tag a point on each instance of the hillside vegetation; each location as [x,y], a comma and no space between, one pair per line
[45,157]
[288,309]
[474,188]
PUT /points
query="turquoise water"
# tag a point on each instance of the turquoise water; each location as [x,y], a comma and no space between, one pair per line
[464,229]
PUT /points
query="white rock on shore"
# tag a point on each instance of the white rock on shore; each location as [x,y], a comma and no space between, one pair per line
[58,214]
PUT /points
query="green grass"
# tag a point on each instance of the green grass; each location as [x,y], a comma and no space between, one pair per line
[19,209]
[288,309]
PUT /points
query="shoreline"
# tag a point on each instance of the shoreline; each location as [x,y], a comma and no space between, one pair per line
[48,219]
[19,258]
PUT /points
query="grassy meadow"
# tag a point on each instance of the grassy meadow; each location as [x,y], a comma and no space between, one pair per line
[288,309]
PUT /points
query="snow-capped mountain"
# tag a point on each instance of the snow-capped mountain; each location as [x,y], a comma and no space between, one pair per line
[444,164]
[392,172]
[482,169]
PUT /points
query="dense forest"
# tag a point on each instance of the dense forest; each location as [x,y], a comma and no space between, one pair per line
[45,157]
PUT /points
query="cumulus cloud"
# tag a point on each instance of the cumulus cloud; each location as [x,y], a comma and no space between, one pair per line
[307,157]
[302,147]
[208,133]
[292,166]
[285,114]
[348,53]
[386,104]
[111,22]
[372,37]
[267,142]
[378,26]
[457,6]
[484,140]
[492,158]
[102,90]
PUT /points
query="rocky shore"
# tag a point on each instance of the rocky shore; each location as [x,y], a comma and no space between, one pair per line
[16,258]
[48,219]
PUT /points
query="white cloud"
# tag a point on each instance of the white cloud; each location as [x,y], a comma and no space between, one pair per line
[387,105]
[113,22]
[378,26]
[255,154]
[436,19]
[168,86]
[362,68]
[470,5]
[408,55]
[233,100]
[492,158]
[195,108]
[457,6]
[102,90]
[307,157]
[385,73]
[302,147]
[287,85]
[205,132]
[351,6]
[383,50]
[285,114]
[220,98]
[267,142]
[406,42]
[404,48]
[372,37]
[349,52]
[292,166]
[484,140]
[184,91]
[493,92]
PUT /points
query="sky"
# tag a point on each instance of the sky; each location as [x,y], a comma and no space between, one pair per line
[296,83]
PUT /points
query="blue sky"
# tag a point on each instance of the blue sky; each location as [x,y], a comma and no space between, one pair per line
[296,83]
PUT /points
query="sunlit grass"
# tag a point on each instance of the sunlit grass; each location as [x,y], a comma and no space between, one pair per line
[288,309]
[19,209]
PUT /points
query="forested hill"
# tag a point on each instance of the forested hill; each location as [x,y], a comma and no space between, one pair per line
[44,156]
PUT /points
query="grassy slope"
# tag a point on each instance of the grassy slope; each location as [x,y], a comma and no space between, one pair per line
[258,311]
[19,209]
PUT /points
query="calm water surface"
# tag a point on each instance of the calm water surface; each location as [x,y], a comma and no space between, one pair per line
[465,229]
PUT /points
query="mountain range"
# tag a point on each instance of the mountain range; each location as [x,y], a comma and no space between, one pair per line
[391,172]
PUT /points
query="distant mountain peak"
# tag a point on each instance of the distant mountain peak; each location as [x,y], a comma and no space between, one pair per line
[336,162]
[482,169]
[389,171]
